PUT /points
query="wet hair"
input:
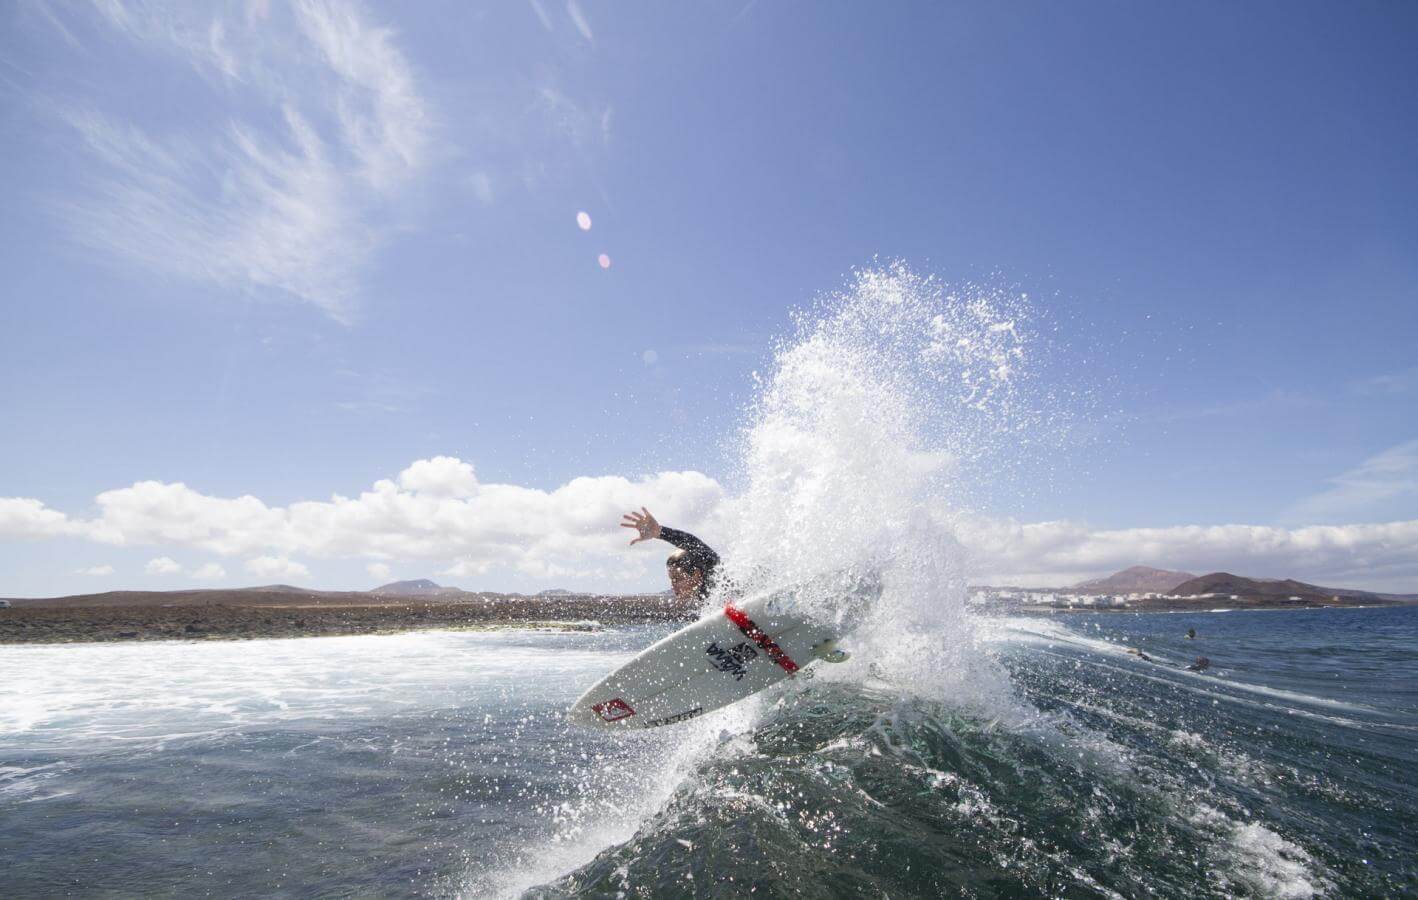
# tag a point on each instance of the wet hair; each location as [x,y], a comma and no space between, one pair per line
[684,561]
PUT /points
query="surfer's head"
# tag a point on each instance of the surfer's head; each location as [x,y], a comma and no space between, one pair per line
[686,576]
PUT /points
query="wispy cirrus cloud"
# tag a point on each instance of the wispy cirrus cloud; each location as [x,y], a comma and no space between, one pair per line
[1272,403]
[578,18]
[317,129]
[1382,479]
[1404,381]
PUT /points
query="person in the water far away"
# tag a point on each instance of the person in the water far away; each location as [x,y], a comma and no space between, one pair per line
[1201,664]
[691,567]
[1191,634]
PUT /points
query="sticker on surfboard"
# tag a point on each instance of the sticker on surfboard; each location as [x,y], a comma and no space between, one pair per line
[613,710]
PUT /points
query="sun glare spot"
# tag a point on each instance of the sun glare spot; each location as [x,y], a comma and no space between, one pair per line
[583,219]
[604,260]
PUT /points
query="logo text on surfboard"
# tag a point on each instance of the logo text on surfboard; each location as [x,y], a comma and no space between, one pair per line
[677,717]
[733,660]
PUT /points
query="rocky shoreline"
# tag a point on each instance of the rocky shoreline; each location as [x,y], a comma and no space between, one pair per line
[289,617]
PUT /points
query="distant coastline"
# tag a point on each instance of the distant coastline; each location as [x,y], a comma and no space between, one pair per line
[1194,608]
[1144,589]
[285,612]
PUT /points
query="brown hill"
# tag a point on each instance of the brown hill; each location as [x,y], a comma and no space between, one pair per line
[1135,580]
[1270,588]
[274,595]
[421,587]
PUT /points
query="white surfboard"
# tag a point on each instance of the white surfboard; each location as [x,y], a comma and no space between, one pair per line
[729,654]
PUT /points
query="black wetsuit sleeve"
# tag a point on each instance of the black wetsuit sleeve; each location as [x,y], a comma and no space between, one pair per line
[704,558]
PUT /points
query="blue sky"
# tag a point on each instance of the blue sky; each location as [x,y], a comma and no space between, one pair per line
[285,250]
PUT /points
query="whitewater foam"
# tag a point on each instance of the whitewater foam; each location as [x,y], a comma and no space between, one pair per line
[613,801]
[158,693]
[862,448]
[1256,858]
[855,455]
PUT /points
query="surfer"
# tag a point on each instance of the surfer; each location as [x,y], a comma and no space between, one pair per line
[691,567]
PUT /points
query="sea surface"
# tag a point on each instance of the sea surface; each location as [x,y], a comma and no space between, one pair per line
[438,764]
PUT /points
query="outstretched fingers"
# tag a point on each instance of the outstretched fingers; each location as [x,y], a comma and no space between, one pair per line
[642,522]
[632,520]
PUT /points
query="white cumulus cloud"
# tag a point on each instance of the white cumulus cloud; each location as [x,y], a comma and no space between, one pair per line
[1058,553]
[435,509]
[438,513]
[162,565]
[21,517]
[466,569]
[276,567]
[442,476]
[209,572]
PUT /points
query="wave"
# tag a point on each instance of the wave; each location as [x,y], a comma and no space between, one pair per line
[933,763]
[850,791]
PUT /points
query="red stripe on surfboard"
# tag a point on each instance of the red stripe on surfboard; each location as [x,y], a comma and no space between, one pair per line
[755,634]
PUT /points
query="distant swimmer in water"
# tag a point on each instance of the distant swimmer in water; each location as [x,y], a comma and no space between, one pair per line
[1201,665]
[691,567]
[1191,634]
[1139,654]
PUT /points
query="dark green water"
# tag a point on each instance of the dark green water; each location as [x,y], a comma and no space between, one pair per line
[1285,770]
[436,765]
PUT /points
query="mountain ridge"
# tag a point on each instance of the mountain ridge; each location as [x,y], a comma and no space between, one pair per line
[1135,580]
[416,587]
[1242,586]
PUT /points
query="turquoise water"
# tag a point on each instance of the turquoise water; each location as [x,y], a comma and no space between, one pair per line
[437,764]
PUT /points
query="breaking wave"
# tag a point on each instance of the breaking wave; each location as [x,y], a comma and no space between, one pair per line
[949,755]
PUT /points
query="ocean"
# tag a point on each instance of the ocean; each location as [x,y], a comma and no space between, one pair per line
[951,755]
[438,764]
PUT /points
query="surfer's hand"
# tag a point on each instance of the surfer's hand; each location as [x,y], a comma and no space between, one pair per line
[642,522]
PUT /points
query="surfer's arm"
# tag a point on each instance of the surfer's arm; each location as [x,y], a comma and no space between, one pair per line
[699,551]
[648,529]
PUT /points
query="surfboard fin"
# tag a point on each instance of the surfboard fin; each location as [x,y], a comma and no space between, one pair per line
[827,652]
